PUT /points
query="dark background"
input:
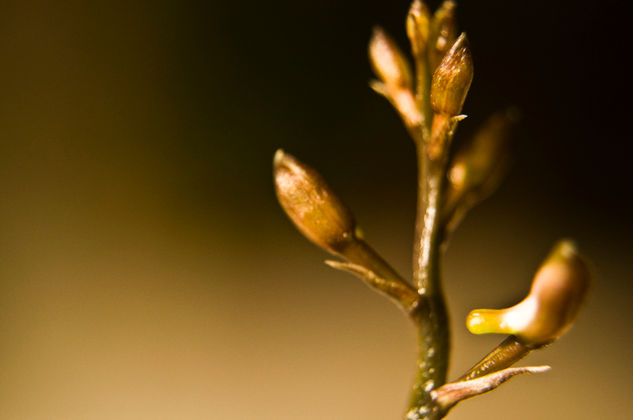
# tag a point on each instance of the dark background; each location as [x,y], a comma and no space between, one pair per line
[147,272]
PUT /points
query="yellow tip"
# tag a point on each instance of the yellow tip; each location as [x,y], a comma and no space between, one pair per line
[488,321]
[279,157]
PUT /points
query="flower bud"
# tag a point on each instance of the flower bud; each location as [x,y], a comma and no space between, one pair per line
[443,32]
[478,166]
[558,290]
[388,61]
[452,79]
[311,204]
[418,27]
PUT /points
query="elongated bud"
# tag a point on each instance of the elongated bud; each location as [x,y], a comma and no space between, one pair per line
[418,27]
[558,290]
[443,32]
[311,204]
[452,79]
[479,166]
[388,61]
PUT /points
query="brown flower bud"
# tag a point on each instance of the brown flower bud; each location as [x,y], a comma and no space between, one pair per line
[418,28]
[443,32]
[478,166]
[311,204]
[452,79]
[558,290]
[388,62]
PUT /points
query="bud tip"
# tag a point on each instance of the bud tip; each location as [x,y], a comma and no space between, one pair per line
[279,157]
[452,79]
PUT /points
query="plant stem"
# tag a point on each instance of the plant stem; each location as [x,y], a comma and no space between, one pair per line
[366,263]
[426,251]
[360,252]
[433,345]
[510,351]
[431,316]
[422,92]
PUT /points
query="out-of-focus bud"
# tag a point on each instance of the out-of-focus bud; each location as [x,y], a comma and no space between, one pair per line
[443,32]
[452,79]
[478,166]
[403,100]
[311,204]
[418,27]
[558,290]
[388,61]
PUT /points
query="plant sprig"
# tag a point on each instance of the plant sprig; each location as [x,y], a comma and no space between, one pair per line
[429,100]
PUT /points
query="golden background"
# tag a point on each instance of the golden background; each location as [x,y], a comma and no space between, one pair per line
[147,272]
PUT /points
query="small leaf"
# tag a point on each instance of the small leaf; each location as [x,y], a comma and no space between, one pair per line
[450,394]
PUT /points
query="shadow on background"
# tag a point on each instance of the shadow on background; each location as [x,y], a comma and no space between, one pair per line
[146,271]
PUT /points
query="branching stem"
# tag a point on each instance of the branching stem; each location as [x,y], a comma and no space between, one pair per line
[430,104]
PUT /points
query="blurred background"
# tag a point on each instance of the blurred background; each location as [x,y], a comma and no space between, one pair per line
[147,271]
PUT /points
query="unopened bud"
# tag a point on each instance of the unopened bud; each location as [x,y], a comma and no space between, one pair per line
[452,79]
[478,166]
[558,290]
[443,31]
[418,27]
[311,204]
[388,61]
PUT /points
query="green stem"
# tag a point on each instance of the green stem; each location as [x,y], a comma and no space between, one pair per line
[433,345]
[506,354]
[359,252]
[422,93]
[431,316]
[426,251]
